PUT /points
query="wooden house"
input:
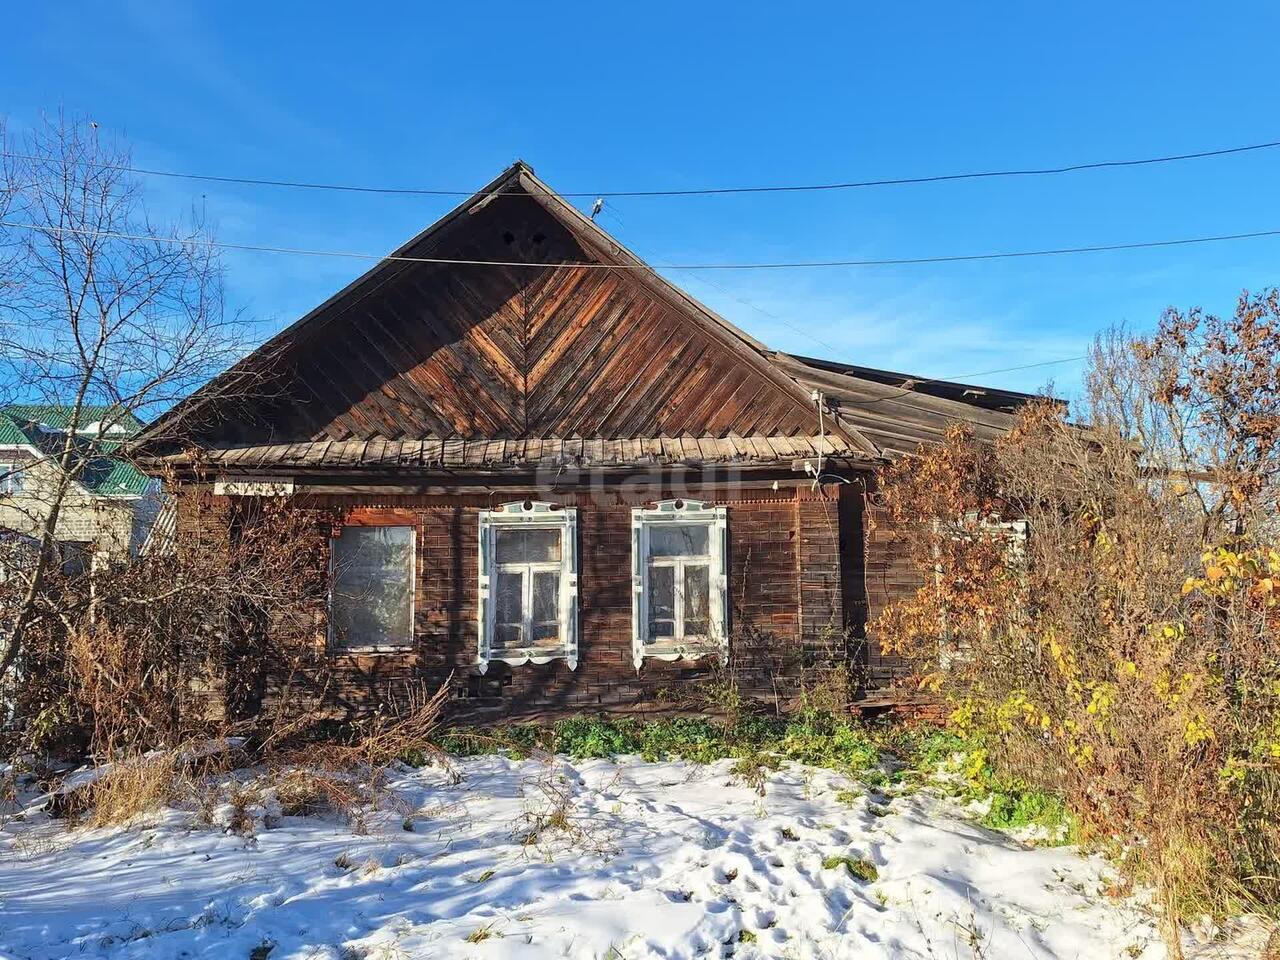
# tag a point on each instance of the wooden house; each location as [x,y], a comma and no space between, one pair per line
[562,479]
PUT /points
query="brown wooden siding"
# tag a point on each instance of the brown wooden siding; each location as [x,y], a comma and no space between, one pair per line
[507,352]
[784,584]
[889,577]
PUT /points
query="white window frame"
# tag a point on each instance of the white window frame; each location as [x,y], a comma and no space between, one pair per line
[1015,534]
[536,515]
[338,649]
[680,513]
[11,477]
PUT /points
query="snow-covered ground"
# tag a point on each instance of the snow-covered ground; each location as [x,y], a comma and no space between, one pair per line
[668,860]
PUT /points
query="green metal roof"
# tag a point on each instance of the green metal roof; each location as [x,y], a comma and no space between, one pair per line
[10,433]
[110,478]
[104,475]
[58,416]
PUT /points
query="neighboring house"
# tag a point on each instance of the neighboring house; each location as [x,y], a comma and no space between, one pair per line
[107,509]
[563,480]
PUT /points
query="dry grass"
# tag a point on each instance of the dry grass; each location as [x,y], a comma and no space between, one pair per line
[343,778]
[131,788]
[551,822]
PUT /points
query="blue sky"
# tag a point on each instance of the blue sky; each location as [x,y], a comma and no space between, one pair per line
[606,97]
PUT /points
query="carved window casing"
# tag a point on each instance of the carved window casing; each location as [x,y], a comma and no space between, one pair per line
[528,591]
[679,579]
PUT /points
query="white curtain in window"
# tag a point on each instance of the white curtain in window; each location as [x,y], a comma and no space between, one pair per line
[528,608]
[371,604]
[679,581]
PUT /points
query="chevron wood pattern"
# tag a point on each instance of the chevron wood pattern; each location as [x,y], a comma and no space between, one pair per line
[546,350]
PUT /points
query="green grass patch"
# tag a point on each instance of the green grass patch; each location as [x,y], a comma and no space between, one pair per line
[859,867]
[760,743]
[1015,805]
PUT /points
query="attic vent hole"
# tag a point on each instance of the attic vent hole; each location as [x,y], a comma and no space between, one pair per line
[538,238]
[508,237]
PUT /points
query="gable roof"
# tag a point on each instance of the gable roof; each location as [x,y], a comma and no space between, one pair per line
[42,427]
[580,340]
[555,331]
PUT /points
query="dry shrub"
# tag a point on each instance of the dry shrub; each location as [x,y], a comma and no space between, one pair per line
[136,666]
[221,635]
[309,793]
[1121,647]
[550,823]
[317,771]
[399,729]
[131,788]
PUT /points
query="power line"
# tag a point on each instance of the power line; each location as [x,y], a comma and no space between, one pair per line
[988,373]
[691,192]
[742,300]
[836,351]
[686,267]
[767,265]
[914,383]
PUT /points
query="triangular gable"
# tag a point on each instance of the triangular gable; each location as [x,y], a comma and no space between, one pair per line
[553,347]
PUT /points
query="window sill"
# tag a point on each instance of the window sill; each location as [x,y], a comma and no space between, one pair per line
[366,651]
[672,652]
[521,656]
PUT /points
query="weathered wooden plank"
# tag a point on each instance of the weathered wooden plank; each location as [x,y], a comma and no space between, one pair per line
[417,351]
[564,397]
[656,351]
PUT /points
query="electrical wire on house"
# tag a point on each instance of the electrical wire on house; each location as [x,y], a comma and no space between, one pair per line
[693,191]
[608,210]
[911,385]
[587,265]
[836,351]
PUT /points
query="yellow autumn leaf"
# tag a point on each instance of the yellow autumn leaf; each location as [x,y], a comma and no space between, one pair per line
[932,681]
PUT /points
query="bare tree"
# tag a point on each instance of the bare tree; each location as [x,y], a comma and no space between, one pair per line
[107,313]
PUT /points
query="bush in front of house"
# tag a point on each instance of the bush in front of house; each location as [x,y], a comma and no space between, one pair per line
[1101,607]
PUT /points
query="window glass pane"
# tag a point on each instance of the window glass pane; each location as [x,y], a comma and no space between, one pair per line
[527,546]
[697,599]
[509,546]
[662,602]
[10,478]
[542,546]
[662,593]
[509,596]
[661,630]
[546,606]
[373,586]
[683,540]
